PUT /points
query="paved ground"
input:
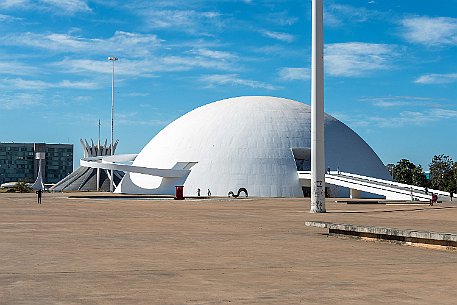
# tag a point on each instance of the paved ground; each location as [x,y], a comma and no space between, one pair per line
[83,251]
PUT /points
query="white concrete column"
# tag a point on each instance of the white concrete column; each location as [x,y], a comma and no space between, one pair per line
[354,194]
[39,182]
[98,179]
[317,110]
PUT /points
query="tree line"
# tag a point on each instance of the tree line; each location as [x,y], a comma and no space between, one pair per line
[443,173]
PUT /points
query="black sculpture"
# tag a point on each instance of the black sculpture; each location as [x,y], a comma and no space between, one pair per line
[242,189]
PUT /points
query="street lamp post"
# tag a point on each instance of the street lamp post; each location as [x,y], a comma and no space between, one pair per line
[113,59]
[98,154]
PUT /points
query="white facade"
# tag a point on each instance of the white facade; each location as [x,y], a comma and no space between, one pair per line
[246,142]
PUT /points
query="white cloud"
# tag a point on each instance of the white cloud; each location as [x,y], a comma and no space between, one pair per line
[332,20]
[93,66]
[142,68]
[430,31]
[19,101]
[131,44]
[234,80]
[150,66]
[357,58]
[75,84]
[401,101]
[279,36]
[219,55]
[22,84]
[279,51]
[16,68]
[189,21]
[418,118]
[68,6]
[294,73]
[133,119]
[59,7]
[19,83]
[137,94]
[83,99]
[338,14]
[6,4]
[8,18]
[431,79]
[128,47]
[404,118]
[182,63]
[280,18]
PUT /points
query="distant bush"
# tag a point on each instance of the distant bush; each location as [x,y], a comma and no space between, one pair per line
[22,187]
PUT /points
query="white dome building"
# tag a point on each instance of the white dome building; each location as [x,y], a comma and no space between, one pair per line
[255,142]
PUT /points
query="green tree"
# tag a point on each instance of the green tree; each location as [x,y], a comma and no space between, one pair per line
[407,172]
[442,173]
[22,187]
[454,180]
[419,178]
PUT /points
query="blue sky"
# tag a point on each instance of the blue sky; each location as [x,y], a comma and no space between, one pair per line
[391,67]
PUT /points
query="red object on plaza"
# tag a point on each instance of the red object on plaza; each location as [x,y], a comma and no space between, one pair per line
[179,192]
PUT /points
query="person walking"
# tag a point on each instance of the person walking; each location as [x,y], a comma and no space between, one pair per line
[209,193]
[39,192]
[198,192]
[451,194]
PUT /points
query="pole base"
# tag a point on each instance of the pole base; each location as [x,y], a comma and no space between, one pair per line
[317,210]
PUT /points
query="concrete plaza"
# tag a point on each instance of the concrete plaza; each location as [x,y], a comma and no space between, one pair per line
[217,251]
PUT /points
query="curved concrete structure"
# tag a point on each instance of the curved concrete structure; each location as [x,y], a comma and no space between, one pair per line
[89,176]
[180,169]
[254,142]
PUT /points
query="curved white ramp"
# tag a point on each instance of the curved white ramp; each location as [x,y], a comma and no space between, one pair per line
[391,190]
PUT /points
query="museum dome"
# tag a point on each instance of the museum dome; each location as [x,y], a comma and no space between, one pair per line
[255,142]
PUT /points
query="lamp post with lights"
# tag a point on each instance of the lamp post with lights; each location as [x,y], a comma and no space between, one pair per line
[113,59]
